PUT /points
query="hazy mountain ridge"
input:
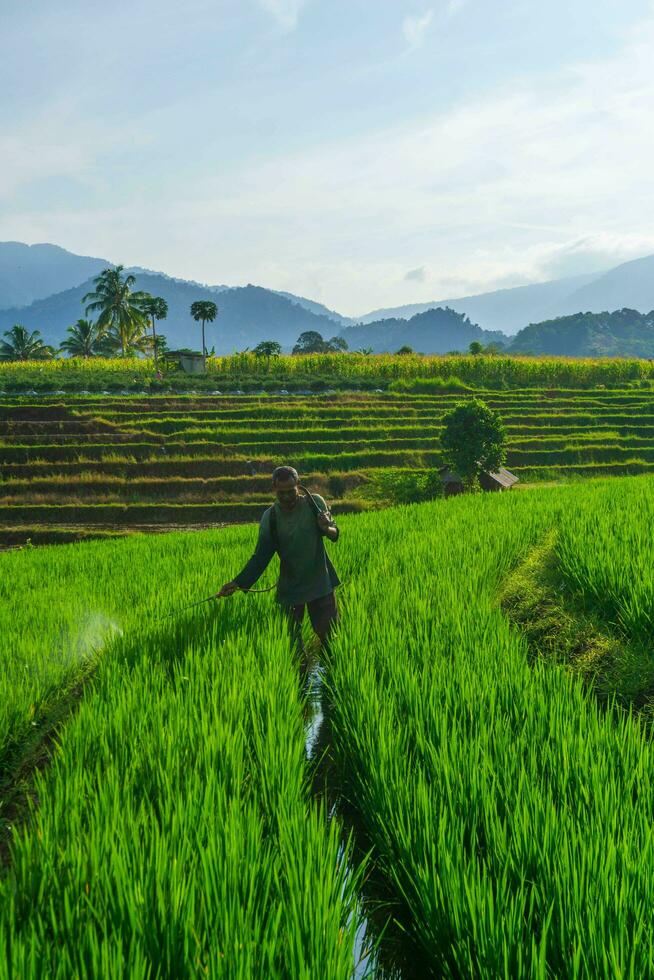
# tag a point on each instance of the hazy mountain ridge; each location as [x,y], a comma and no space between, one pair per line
[502,309]
[247,315]
[33,272]
[435,331]
[629,285]
[319,308]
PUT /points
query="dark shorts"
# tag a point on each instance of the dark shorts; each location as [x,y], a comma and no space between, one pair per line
[323,614]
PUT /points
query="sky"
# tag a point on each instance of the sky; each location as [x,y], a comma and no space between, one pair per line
[362,153]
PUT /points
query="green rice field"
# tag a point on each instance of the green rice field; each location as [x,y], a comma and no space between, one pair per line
[79,466]
[468,808]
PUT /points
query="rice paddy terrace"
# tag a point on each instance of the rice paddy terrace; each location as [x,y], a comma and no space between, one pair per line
[475,804]
[78,466]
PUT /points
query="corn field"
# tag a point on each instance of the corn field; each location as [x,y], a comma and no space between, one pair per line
[174,831]
[495,371]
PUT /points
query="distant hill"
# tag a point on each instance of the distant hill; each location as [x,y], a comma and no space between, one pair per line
[432,332]
[318,308]
[629,285]
[246,316]
[504,309]
[31,272]
[624,333]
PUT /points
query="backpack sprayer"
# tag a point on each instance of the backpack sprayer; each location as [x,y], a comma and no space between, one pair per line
[317,511]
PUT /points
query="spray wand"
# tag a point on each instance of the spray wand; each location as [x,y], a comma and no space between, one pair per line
[199,602]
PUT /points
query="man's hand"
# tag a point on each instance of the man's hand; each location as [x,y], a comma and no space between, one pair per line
[229,588]
[326,524]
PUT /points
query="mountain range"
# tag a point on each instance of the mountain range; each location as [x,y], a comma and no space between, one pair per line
[247,314]
[41,287]
[31,272]
[629,285]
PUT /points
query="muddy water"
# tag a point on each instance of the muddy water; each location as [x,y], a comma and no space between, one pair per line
[317,746]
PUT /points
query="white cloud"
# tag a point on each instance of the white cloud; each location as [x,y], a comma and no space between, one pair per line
[414,28]
[285,12]
[591,253]
[515,186]
[416,275]
[545,179]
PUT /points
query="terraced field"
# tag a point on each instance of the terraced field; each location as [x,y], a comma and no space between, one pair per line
[80,466]
[467,810]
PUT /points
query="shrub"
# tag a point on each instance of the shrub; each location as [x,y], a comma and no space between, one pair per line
[395,486]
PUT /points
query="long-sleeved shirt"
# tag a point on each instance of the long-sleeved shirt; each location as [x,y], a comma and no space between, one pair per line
[306,573]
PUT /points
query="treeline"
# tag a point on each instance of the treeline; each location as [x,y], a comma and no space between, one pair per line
[623,333]
[119,320]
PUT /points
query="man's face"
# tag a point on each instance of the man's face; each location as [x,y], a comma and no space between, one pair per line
[287,493]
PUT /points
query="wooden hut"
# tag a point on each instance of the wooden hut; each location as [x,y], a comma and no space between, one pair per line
[502,480]
[493,482]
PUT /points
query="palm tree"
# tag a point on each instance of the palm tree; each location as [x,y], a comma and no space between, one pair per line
[157,309]
[133,340]
[121,310]
[24,346]
[205,310]
[84,340]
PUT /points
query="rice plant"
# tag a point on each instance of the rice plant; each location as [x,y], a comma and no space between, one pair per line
[174,833]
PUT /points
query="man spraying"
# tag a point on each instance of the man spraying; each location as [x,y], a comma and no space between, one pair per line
[294,527]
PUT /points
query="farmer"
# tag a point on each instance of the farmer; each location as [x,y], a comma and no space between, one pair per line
[307,577]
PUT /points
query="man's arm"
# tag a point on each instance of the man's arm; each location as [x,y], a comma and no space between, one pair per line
[327,527]
[257,564]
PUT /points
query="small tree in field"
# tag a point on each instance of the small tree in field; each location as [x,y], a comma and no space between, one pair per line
[267,348]
[310,342]
[473,440]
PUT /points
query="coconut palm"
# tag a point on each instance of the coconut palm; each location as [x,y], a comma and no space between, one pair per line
[132,340]
[24,346]
[205,310]
[120,310]
[157,309]
[84,339]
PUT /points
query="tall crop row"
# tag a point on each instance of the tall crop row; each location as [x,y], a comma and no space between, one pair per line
[614,577]
[515,372]
[509,816]
[174,834]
